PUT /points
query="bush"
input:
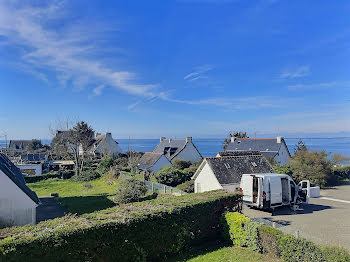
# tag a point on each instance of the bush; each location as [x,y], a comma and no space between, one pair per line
[126,169]
[234,228]
[181,164]
[170,176]
[87,175]
[105,165]
[149,231]
[252,235]
[34,179]
[343,172]
[187,187]
[268,240]
[335,254]
[131,190]
[189,172]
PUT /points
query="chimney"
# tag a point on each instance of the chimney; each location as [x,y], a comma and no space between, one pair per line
[169,140]
[188,139]
[233,139]
[109,134]
[98,134]
[279,139]
[161,138]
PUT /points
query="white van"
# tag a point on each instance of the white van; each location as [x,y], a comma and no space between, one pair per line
[271,190]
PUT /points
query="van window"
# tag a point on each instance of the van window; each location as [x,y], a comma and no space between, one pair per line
[304,185]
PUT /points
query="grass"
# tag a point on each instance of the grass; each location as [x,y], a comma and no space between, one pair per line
[76,197]
[230,254]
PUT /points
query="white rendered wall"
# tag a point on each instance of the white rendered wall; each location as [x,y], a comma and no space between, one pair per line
[282,157]
[108,146]
[161,163]
[189,153]
[16,208]
[206,180]
[231,187]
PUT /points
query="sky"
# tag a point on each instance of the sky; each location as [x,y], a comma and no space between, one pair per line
[196,68]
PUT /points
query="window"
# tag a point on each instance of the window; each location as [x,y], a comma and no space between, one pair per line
[254,164]
[227,165]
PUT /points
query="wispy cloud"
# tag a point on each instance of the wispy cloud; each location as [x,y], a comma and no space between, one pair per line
[97,91]
[198,73]
[296,73]
[324,85]
[68,50]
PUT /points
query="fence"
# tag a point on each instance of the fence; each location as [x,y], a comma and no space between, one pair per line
[163,189]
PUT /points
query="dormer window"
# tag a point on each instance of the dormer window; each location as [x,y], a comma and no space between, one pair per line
[254,164]
[227,165]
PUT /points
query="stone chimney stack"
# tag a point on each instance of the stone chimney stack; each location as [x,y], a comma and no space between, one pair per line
[98,134]
[109,135]
[161,138]
[233,139]
[188,139]
[279,139]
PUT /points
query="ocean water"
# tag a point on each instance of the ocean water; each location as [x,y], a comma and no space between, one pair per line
[210,146]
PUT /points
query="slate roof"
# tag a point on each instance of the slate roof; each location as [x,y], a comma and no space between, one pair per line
[239,153]
[149,159]
[33,157]
[172,147]
[19,144]
[259,144]
[12,172]
[229,169]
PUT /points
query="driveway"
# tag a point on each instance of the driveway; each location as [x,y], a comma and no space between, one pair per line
[49,209]
[324,220]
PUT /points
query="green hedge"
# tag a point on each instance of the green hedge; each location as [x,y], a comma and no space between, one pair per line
[149,230]
[343,172]
[244,232]
[61,174]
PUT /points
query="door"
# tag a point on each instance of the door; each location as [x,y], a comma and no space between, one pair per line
[247,188]
[304,186]
[255,189]
[276,190]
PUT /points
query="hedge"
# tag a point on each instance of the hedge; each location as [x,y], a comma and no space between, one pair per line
[259,237]
[144,231]
[61,174]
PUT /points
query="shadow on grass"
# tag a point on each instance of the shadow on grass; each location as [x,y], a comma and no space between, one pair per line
[86,204]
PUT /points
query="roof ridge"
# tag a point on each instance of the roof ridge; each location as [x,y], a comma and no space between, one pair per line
[260,155]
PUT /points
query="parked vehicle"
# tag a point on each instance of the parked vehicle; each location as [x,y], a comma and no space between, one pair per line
[266,191]
[310,189]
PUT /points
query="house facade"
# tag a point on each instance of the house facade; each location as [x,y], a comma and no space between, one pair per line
[17,202]
[271,148]
[153,161]
[104,144]
[178,149]
[225,172]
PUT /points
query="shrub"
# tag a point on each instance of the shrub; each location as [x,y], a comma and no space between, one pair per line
[268,240]
[181,164]
[234,228]
[252,235]
[189,172]
[131,190]
[335,254]
[34,179]
[343,172]
[187,187]
[87,175]
[121,161]
[149,230]
[298,249]
[126,169]
[170,176]
[105,165]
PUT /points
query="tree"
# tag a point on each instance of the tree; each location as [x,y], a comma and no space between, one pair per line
[238,134]
[338,158]
[312,165]
[73,144]
[131,190]
[300,147]
[181,164]
[34,145]
[170,176]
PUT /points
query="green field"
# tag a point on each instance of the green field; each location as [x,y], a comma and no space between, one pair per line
[77,198]
[227,254]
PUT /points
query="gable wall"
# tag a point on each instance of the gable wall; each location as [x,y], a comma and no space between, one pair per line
[16,208]
[108,146]
[282,157]
[206,180]
[189,153]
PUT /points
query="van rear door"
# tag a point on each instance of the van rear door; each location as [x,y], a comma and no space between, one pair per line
[276,190]
[247,188]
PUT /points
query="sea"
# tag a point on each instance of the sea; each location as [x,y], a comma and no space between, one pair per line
[208,147]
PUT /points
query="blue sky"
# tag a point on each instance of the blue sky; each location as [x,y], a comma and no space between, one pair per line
[176,68]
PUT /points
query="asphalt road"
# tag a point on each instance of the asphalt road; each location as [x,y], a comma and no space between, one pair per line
[324,220]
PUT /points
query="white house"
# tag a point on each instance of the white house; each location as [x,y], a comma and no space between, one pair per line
[105,145]
[17,202]
[225,172]
[274,148]
[153,161]
[178,149]
[31,169]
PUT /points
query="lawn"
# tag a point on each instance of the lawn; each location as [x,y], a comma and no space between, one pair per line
[230,254]
[79,197]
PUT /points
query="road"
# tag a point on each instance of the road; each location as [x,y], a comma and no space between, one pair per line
[324,220]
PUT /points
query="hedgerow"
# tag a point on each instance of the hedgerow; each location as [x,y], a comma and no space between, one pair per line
[149,230]
[256,236]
